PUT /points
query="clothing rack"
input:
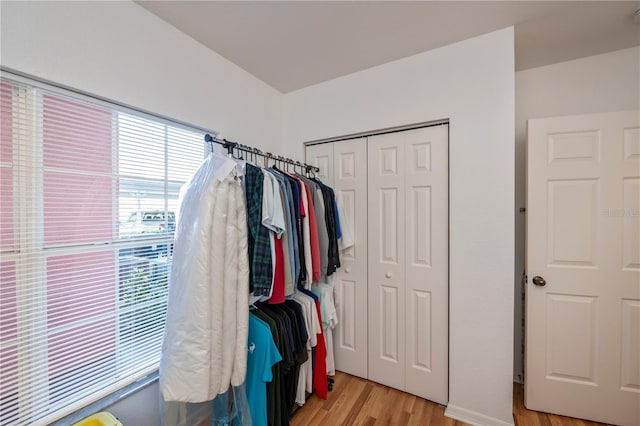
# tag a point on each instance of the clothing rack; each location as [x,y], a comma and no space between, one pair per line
[230,146]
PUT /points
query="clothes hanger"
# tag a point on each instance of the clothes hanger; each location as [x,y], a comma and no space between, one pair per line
[239,153]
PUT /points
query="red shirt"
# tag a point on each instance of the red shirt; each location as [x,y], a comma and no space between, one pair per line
[277,296]
[320,372]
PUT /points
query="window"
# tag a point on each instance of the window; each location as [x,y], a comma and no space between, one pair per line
[88,195]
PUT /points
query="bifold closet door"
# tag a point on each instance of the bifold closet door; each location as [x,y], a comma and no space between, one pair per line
[386,164]
[408,261]
[343,165]
[350,185]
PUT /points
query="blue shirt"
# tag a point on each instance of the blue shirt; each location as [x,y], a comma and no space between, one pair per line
[295,212]
[335,211]
[261,357]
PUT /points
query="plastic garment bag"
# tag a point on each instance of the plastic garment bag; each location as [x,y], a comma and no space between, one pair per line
[227,409]
[204,349]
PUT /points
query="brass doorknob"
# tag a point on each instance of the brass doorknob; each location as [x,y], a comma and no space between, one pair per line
[539,281]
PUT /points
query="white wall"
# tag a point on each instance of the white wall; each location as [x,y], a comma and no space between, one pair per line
[141,408]
[602,83]
[121,51]
[472,84]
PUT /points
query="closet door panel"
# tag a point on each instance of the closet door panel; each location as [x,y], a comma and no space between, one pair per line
[386,215]
[350,185]
[321,156]
[426,262]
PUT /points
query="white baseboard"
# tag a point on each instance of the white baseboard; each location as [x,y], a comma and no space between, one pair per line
[473,417]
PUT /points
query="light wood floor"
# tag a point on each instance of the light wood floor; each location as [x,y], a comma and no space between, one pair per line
[355,401]
[524,417]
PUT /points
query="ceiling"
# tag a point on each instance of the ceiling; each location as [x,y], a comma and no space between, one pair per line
[291,45]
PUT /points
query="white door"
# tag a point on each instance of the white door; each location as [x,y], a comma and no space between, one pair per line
[350,186]
[321,156]
[426,262]
[583,244]
[408,262]
[343,165]
[386,259]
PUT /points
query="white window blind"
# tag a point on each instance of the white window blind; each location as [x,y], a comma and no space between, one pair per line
[88,196]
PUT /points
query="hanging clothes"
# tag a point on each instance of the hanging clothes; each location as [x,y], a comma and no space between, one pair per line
[323,230]
[260,258]
[290,230]
[250,233]
[263,355]
[307,207]
[305,380]
[291,342]
[320,353]
[273,219]
[297,209]
[204,349]
[312,198]
[273,387]
[324,291]
[332,227]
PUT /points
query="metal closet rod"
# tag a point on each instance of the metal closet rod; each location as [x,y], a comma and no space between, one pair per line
[230,146]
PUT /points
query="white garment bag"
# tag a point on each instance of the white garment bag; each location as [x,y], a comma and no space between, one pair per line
[204,350]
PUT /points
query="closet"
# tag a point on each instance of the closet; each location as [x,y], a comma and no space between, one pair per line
[392,291]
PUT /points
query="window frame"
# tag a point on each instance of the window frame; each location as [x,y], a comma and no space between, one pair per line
[28,250]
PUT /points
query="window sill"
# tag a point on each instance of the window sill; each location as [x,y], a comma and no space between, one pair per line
[107,401]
